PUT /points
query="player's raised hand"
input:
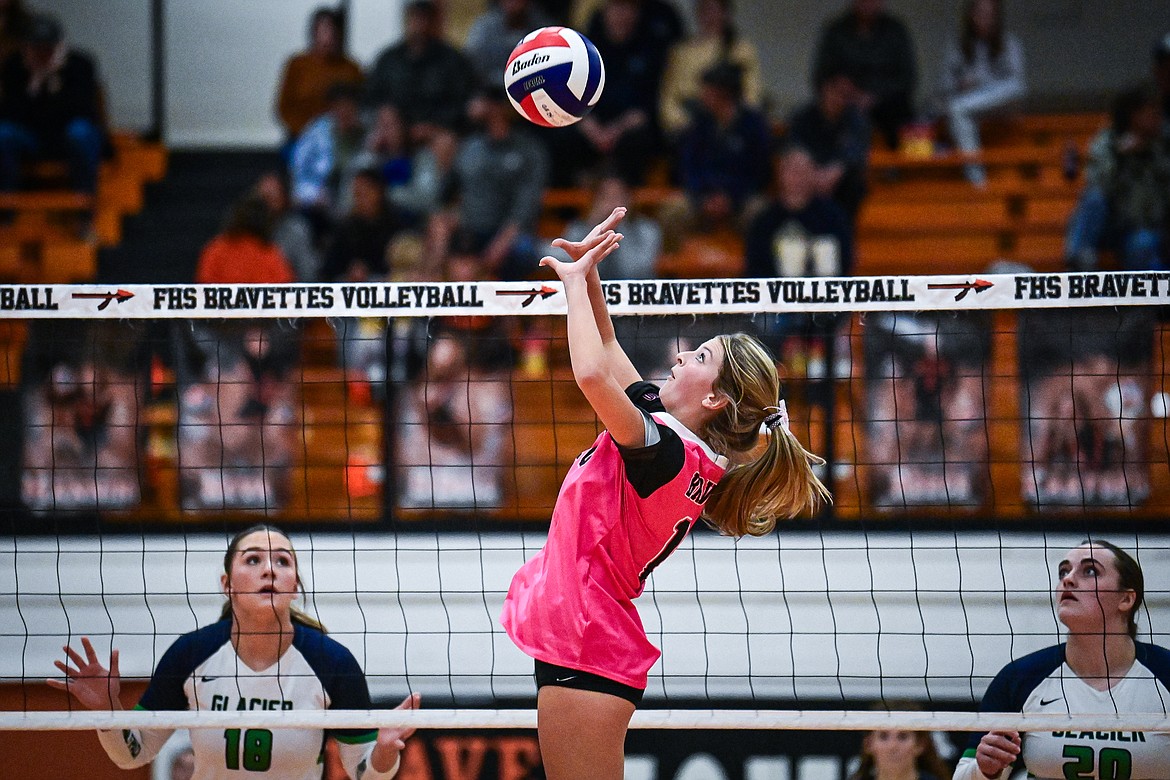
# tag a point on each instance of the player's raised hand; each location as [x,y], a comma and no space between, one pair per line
[997,750]
[93,685]
[577,249]
[605,244]
[392,741]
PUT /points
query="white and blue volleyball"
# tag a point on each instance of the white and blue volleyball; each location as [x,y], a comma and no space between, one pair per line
[554,76]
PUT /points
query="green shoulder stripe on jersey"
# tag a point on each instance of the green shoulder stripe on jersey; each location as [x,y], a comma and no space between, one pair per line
[969,753]
[140,707]
[359,739]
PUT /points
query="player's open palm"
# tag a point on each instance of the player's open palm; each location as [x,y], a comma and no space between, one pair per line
[577,249]
[93,685]
[392,741]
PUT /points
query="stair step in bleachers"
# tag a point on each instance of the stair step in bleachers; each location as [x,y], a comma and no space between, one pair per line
[50,223]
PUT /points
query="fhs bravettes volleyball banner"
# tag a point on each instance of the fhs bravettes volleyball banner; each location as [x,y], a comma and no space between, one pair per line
[697,296]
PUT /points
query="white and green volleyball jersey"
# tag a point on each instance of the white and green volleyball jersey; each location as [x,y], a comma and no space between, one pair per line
[1042,682]
[201,671]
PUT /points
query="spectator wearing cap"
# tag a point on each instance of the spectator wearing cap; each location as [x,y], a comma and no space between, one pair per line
[721,150]
[876,50]
[323,152]
[835,132]
[427,79]
[497,183]
[50,107]
[304,86]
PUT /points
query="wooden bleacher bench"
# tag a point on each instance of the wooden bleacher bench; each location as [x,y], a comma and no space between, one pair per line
[46,201]
[1009,156]
[934,254]
[978,215]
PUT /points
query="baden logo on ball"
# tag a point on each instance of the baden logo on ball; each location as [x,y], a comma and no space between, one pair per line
[554,76]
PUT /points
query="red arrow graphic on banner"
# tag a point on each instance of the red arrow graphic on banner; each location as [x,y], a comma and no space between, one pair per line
[544,292]
[979,285]
[121,296]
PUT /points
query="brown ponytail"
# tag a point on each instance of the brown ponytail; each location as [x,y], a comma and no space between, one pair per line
[298,615]
[765,485]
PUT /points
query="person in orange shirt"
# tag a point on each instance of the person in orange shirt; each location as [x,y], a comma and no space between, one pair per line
[243,253]
[309,74]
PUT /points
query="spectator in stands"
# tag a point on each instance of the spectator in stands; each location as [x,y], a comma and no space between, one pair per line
[431,171]
[50,107]
[799,233]
[717,41]
[837,134]
[250,402]
[622,130]
[427,79]
[876,50]
[1125,205]
[322,153]
[13,18]
[983,71]
[721,150]
[452,446]
[304,85]
[499,178]
[898,754]
[385,150]
[243,252]
[651,342]
[496,32]
[642,236]
[659,25]
[291,232]
[357,252]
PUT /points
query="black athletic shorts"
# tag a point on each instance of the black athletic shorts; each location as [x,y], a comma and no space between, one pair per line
[551,674]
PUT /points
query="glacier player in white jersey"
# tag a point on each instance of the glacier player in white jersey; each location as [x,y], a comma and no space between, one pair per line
[1100,669]
[263,654]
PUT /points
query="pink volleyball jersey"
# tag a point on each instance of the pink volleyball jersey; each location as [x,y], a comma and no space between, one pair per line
[620,512]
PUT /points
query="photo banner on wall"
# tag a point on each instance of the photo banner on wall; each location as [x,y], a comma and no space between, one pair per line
[1085,378]
[82,398]
[925,405]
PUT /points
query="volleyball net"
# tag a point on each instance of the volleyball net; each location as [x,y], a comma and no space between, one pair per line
[411,438]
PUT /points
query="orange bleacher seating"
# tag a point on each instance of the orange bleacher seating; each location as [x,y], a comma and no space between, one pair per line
[10,260]
[970,216]
[1042,251]
[934,254]
[65,261]
[713,255]
[1049,212]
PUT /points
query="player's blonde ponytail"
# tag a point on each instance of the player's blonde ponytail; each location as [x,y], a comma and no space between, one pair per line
[769,481]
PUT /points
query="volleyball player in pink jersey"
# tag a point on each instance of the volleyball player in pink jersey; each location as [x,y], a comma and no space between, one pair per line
[667,456]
